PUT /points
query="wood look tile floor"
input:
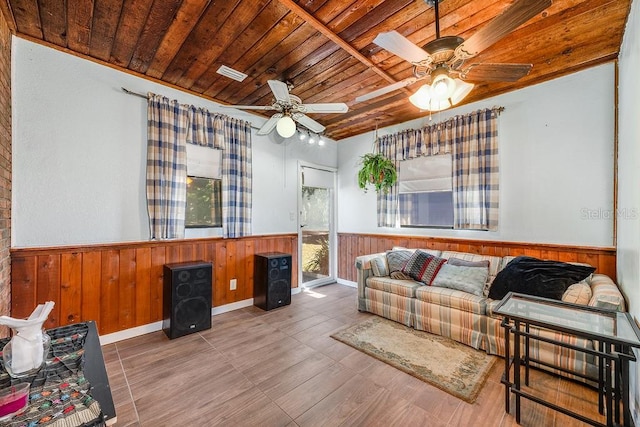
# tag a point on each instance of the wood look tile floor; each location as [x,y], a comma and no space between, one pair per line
[282,368]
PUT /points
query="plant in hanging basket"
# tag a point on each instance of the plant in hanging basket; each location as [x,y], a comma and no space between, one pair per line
[378,171]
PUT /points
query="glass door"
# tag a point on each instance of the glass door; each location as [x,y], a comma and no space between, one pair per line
[316,234]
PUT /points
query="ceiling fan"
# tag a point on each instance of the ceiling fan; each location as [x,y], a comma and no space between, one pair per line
[443,61]
[290,109]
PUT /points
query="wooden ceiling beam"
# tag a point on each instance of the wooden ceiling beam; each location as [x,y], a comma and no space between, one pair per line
[315,23]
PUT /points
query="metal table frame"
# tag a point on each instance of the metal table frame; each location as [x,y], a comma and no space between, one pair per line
[612,350]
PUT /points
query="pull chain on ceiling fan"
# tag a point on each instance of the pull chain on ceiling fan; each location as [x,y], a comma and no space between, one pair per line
[442,61]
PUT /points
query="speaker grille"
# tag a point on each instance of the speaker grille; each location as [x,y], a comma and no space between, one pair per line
[272,280]
[187,298]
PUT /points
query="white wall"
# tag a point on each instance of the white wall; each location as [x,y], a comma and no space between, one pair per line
[556,165]
[79,153]
[628,179]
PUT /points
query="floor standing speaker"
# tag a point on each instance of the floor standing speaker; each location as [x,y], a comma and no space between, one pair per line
[272,280]
[187,298]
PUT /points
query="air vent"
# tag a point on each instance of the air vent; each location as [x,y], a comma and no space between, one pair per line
[231,73]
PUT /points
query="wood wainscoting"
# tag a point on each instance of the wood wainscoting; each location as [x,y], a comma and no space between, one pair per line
[352,245]
[120,285]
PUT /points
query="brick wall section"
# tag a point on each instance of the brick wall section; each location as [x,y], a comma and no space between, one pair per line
[5,170]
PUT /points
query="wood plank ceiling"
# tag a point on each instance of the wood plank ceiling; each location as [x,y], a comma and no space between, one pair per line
[323,47]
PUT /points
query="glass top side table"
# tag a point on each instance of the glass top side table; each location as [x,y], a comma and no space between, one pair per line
[614,332]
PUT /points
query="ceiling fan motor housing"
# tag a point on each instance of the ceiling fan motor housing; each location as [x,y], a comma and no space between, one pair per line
[442,49]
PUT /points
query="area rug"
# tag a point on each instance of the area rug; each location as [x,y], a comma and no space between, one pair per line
[453,367]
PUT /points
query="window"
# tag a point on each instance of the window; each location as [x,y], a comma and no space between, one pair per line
[204,187]
[425,192]
[204,202]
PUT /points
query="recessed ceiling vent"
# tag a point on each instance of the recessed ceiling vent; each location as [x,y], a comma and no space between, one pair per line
[231,73]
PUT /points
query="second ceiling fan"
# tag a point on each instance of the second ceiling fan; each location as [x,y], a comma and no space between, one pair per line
[442,61]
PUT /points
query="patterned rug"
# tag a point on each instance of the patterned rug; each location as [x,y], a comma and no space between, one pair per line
[453,367]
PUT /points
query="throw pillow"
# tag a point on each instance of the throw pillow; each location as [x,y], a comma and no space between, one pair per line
[578,293]
[379,266]
[399,275]
[532,276]
[463,278]
[423,267]
[397,259]
[465,263]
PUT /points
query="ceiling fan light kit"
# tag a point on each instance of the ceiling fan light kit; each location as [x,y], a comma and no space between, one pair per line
[443,60]
[285,127]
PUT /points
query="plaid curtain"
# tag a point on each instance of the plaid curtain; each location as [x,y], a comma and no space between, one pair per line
[473,142]
[236,178]
[475,171]
[170,126]
[166,167]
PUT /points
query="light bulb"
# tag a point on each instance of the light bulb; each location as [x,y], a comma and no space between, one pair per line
[286,127]
[442,87]
[312,140]
[321,141]
[303,136]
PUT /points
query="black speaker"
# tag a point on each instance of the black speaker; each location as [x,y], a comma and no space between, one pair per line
[187,298]
[271,280]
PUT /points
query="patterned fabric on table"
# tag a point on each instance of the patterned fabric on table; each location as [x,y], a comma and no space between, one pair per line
[423,267]
[167,123]
[462,301]
[405,288]
[606,293]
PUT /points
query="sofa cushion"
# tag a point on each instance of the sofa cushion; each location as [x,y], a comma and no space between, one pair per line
[423,266]
[462,278]
[578,293]
[495,262]
[405,288]
[532,276]
[379,266]
[451,298]
[464,263]
[606,293]
[396,259]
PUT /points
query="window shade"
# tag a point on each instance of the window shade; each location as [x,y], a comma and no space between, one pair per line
[426,174]
[204,162]
[316,178]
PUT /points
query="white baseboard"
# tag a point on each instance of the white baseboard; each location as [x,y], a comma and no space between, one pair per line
[157,326]
[347,283]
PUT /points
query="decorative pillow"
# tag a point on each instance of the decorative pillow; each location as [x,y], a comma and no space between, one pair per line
[532,276]
[399,275]
[578,293]
[462,278]
[423,267]
[379,266]
[397,259]
[465,263]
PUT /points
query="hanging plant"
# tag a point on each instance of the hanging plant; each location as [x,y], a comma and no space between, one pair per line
[378,171]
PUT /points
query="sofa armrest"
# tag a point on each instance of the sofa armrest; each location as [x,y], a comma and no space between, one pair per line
[606,293]
[363,268]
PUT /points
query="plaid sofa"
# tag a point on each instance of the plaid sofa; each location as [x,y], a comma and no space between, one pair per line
[470,319]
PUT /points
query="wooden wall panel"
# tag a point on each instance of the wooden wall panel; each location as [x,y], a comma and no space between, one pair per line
[352,245]
[120,285]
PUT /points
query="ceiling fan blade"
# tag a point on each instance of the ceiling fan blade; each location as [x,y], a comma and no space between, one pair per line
[268,126]
[308,122]
[386,89]
[510,19]
[336,107]
[250,107]
[495,72]
[401,46]
[280,91]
